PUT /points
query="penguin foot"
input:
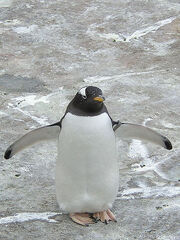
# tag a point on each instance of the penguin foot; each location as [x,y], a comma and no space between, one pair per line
[104,216]
[83,219]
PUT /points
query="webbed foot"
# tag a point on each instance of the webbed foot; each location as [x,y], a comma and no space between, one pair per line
[83,219]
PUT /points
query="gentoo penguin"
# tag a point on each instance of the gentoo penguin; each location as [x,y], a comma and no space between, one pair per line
[86,168]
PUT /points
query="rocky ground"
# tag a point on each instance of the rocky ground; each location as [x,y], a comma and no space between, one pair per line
[131,50]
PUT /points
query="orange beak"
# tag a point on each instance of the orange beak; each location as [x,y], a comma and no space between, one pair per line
[99,99]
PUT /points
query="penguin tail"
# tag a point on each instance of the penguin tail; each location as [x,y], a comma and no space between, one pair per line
[41,134]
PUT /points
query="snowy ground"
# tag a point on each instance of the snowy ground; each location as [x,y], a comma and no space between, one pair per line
[131,50]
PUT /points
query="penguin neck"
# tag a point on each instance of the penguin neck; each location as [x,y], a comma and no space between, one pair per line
[79,110]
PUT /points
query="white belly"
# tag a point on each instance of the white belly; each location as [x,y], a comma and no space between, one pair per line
[87,170]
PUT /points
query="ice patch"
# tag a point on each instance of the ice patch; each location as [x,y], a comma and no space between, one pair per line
[169,167]
[3,113]
[10,22]
[25,30]
[137,34]
[42,105]
[31,100]
[109,17]
[161,48]
[89,10]
[42,121]
[169,125]
[133,98]
[137,149]
[19,120]
[5,3]
[20,102]
[97,79]
[113,36]
[147,192]
[146,120]
[24,217]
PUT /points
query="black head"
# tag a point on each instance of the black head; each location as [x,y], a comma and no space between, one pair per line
[88,100]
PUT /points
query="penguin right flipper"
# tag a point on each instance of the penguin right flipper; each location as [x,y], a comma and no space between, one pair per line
[135,131]
[44,133]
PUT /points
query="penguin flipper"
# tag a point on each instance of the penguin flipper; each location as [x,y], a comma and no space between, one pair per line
[135,131]
[40,134]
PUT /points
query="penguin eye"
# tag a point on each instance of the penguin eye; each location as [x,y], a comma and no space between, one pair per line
[84,97]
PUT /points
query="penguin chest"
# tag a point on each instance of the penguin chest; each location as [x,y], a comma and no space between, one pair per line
[86,172]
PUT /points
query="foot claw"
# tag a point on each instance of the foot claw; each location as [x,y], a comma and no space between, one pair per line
[94,220]
[104,216]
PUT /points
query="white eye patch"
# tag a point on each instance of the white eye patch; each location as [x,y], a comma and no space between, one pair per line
[82,91]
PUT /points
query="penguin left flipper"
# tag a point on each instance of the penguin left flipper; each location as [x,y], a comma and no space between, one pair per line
[135,131]
[41,134]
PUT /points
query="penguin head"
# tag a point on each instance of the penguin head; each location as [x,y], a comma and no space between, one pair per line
[89,99]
